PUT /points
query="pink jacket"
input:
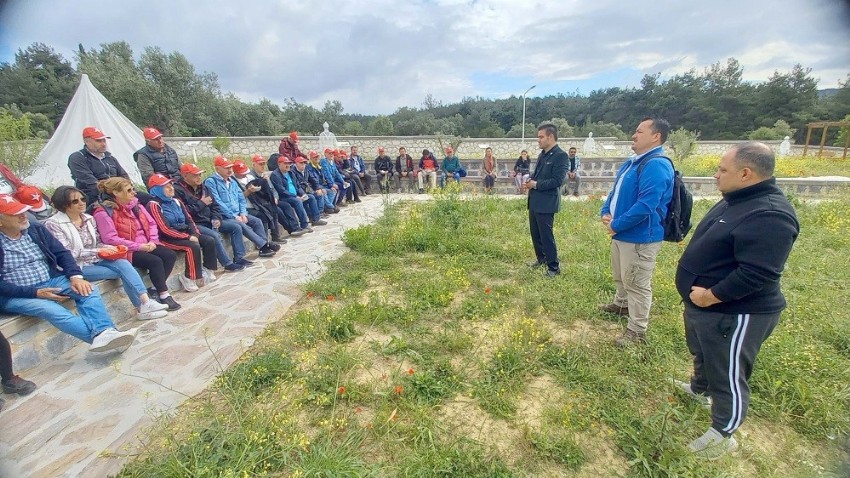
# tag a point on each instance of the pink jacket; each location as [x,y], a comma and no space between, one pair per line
[109,235]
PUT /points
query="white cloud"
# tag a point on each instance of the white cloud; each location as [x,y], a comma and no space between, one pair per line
[377,55]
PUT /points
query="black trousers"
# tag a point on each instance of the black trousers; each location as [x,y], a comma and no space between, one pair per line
[158,263]
[543,239]
[724,347]
[196,254]
[5,358]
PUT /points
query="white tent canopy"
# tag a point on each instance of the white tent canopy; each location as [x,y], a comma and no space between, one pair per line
[88,107]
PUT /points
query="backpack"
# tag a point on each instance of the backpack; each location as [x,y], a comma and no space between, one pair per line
[677,223]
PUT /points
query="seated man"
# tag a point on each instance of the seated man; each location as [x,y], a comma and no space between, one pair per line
[157,157]
[310,186]
[384,170]
[405,172]
[573,180]
[93,163]
[228,195]
[288,192]
[207,216]
[259,198]
[428,167]
[332,174]
[36,273]
[359,166]
[331,190]
[451,167]
[286,216]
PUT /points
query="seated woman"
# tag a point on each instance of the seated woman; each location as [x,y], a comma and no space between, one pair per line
[177,231]
[521,170]
[122,221]
[77,231]
[490,171]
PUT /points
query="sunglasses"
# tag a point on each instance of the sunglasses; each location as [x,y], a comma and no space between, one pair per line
[81,200]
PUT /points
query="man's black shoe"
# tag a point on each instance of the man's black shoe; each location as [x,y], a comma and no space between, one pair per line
[244,262]
[273,246]
[266,251]
[551,274]
[18,385]
[279,240]
[234,266]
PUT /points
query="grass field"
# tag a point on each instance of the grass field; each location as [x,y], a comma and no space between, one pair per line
[431,350]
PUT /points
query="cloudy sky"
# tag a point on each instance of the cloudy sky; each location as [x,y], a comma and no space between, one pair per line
[377,55]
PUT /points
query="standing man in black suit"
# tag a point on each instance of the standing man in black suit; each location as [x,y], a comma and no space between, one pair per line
[544,199]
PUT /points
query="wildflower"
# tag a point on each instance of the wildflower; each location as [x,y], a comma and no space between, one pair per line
[486,290]
[330,298]
[310,294]
[341,390]
[398,390]
[410,371]
[358,410]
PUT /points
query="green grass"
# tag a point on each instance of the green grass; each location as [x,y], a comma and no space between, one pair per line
[430,350]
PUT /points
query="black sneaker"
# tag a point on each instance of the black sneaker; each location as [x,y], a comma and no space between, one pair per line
[319,222]
[234,266]
[273,246]
[278,240]
[18,385]
[171,303]
[265,251]
[153,294]
[244,262]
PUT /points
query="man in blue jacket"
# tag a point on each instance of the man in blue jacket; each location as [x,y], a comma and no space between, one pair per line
[37,272]
[633,215]
[231,201]
[728,278]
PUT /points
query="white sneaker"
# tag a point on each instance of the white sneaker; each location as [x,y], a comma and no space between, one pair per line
[112,339]
[703,399]
[209,277]
[187,283]
[712,445]
[152,310]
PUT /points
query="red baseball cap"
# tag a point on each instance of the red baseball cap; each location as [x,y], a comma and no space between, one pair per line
[328,150]
[189,168]
[31,196]
[313,154]
[93,133]
[151,133]
[158,180]
[239,167]
[222,162]
[285,160]
[302,159]
[293,135]
[11,206]
[258,159]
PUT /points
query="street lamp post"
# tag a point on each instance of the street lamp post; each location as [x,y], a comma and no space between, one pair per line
[523,114]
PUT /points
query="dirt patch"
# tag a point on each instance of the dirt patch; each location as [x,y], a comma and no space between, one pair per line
[464,418]
[583,332]
[539,393]
[603,456]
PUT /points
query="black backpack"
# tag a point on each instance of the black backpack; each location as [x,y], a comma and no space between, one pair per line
[677,223]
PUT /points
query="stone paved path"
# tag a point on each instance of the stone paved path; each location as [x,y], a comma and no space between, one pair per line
[90,403]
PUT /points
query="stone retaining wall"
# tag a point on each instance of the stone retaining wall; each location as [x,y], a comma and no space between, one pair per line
[469,148]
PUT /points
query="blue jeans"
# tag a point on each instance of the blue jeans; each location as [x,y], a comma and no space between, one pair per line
[93,318]
[220,251]
[445,174]
[286,217]
[327,198]
[119,269]
[233,228]
[255,231]
[311,205]
[298,206]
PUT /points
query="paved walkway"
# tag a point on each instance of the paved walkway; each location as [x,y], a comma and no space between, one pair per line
[90,403]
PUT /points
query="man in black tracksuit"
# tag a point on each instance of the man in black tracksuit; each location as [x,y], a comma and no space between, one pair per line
[728,277]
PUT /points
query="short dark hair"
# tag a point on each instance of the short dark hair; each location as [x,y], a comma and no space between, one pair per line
[659,125]
[572,148]
[61,198]
[756,156]
[550,129]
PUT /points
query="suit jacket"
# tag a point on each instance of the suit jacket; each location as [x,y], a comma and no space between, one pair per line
[550,171]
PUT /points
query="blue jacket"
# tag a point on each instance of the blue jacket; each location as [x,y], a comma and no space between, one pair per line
[229,198]
[319,175]
[281,181]
[642,201]
[59,261]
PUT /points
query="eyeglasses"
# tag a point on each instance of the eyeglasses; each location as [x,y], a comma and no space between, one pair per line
[81,200]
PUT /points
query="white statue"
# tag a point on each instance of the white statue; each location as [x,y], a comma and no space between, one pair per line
[326,139]
[785,147]
[589,144]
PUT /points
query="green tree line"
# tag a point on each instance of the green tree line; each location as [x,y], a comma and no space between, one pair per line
[164,90]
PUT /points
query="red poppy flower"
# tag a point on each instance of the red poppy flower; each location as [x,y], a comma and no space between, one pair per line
[487,290]
[410,371]
[341,390]
[398,390]
[310,294]
[330,298]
